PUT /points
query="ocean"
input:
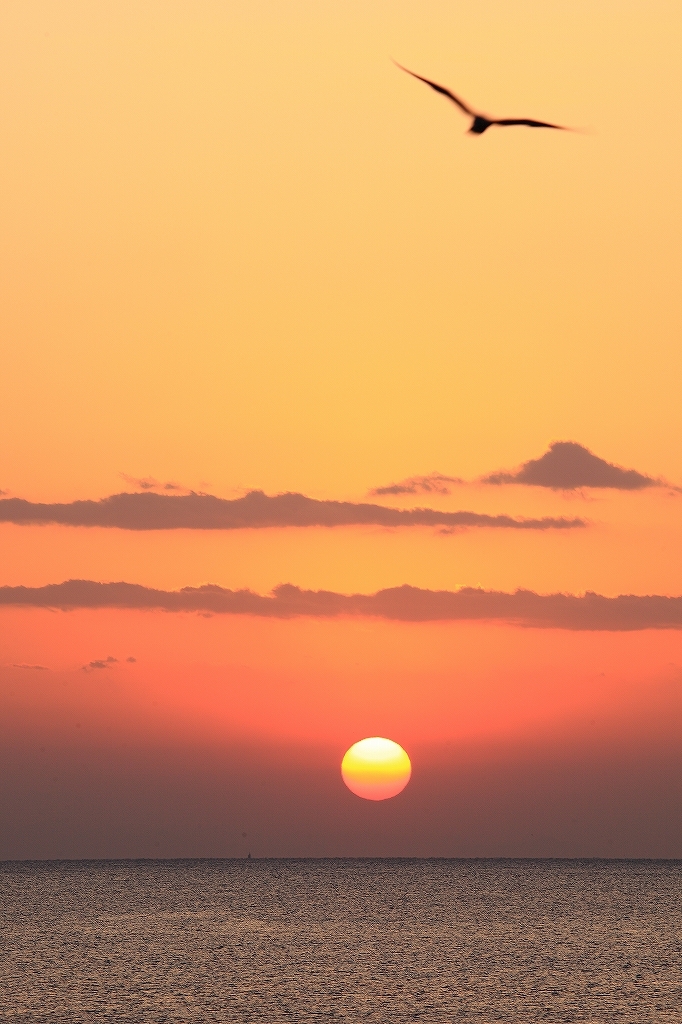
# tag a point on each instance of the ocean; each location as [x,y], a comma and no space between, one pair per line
[384,941]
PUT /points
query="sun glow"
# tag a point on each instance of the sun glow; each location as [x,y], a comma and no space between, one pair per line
[376,768]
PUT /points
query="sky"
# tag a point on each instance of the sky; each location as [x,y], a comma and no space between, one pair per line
[363,409]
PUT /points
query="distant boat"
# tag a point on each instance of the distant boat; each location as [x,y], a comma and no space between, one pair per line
[248,856]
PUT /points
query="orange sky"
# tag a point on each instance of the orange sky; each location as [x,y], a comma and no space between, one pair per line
[242,250]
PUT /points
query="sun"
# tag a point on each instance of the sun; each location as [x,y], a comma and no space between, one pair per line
[376,768]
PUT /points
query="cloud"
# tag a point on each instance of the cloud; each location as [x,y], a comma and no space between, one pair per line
[148,483]
[131,661]
[37,668]
[100,663]
[401,604]
[256,510]
[434,483]
[568,465]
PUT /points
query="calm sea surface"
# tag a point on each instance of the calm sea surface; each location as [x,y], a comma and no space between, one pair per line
[345,940]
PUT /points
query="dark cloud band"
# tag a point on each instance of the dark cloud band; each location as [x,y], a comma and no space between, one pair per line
[402,604]
[256,510]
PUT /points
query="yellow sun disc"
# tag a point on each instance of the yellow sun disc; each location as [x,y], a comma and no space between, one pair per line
[376,769]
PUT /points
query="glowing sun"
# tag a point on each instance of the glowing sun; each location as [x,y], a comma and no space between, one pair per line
[376,769]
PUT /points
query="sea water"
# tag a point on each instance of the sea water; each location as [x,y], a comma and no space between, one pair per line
[341,940]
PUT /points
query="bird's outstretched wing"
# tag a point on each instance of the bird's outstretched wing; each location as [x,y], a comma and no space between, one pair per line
[531,124]
[441,89]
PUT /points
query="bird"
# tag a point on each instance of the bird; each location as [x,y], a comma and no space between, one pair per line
[480,123]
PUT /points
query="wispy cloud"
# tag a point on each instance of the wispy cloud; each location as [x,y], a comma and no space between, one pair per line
[404,604]
[35,668]
[100,663]
[433,483]
[568,465]
[148,483]
[256,510]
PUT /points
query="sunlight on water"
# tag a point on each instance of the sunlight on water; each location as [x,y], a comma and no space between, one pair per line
[394,940]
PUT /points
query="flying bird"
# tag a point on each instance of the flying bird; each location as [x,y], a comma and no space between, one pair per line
[480,122]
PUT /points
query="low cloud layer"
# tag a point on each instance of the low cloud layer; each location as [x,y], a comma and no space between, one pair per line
[434,483]
[402,604]
[256,510]
[568,465]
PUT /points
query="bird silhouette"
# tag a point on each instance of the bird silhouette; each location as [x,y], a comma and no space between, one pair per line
[480,123]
